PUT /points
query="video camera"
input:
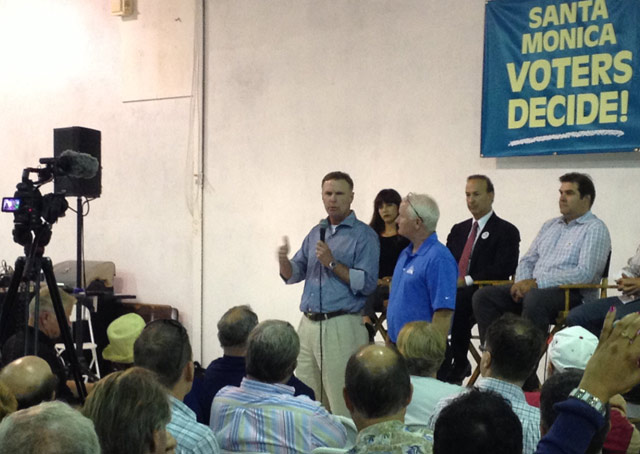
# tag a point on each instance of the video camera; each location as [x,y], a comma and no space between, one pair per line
[34,213]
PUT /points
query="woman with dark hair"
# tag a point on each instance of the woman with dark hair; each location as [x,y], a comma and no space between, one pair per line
[383,221]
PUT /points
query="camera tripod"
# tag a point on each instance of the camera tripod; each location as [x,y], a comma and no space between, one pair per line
[27,270]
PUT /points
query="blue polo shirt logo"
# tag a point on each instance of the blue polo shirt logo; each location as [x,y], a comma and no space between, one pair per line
[409,270]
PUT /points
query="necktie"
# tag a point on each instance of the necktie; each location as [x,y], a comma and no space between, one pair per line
[463,264]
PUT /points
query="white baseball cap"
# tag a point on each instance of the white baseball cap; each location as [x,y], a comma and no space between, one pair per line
[571,348]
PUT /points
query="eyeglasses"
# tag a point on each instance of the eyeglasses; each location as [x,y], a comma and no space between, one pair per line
[184,337]
[412,207]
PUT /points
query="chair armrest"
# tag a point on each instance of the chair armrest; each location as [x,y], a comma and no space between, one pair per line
[492,282]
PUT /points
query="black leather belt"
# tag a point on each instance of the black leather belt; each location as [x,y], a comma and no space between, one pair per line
[319,316]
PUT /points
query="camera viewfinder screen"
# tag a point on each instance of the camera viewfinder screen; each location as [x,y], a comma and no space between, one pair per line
[10,204]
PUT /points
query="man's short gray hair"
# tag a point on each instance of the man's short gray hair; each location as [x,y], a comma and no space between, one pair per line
[48,428]
[46,303]
[424,207]
[235,325]
[273,348]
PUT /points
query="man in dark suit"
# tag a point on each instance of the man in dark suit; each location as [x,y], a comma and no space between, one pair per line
[485,247]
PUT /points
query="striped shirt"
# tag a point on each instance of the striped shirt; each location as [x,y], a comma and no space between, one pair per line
[573,253]
[265,417]
[191,436]
[528,415]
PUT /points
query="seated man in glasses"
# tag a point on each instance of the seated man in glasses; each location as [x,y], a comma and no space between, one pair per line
[163,347]
[512,347]
[48,332]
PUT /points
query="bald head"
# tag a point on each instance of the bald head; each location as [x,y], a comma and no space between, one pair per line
[377,382]
[30,379]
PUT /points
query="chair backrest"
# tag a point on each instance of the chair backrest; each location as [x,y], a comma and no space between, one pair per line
[325,450]
[352,431]
[417,426]
[151,312]
[605,277]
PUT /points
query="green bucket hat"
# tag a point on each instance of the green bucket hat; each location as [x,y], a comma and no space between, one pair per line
[122,333]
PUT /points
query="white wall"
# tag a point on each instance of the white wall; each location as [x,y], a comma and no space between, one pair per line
[62,66]
[389,91]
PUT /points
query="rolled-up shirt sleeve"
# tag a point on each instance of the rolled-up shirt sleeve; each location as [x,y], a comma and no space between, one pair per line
[298,264]
[363,275]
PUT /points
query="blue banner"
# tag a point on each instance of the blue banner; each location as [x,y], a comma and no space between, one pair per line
[560,77]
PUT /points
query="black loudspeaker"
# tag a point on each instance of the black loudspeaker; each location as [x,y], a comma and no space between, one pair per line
[82,140]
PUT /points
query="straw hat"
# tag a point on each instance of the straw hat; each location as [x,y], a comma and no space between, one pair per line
[122,333]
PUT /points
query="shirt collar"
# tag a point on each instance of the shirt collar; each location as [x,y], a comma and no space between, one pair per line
[426,244]
[278,388]
[581,220]
[381,427]
[506,389]
[181,407]
[349,221]
[483,220]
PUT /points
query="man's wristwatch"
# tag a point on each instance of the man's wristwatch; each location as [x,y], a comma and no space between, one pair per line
[589,399]
[332,265]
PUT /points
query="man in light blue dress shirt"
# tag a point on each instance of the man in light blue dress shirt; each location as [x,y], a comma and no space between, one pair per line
[164,348]
[571,249]
[338,262]
[510,354]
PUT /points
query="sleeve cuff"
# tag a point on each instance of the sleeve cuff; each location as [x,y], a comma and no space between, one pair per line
[356,280]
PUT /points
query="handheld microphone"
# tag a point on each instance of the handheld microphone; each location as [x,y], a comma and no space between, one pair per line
[323,229]
[78,165]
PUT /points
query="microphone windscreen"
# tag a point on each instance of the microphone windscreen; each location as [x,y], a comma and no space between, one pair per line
[78,165]
[323,228]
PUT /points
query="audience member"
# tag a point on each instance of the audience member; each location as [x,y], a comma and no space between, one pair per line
[557,389]
[612,369]
[122,333]
[164,348]
[423,348]
[424,280]
[8,402]
[130,411]
[571,249]
[478,422]
[486,247]
[233,331]
[377,392]
[570,350]
[338,261]
[263,415]
[30,379]
[511,351]
[48,332]
[48,428]
[383,221]
[591,314]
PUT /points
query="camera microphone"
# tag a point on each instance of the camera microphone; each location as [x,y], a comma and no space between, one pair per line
[73,164]
[78,165]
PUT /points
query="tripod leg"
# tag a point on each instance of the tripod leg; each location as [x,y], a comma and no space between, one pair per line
[47,269]
[8,307]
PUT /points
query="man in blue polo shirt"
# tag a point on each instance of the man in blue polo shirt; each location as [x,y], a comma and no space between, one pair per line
[424,281]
